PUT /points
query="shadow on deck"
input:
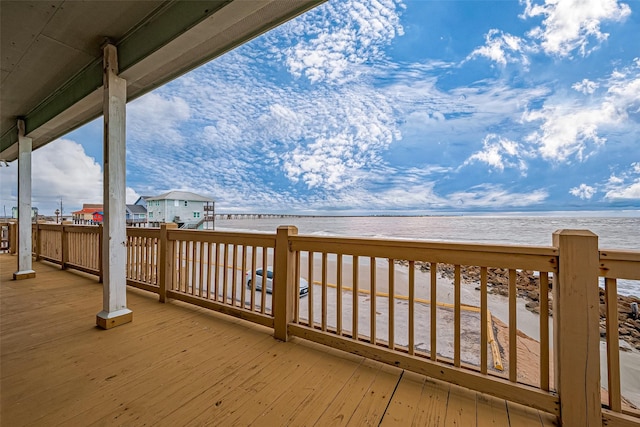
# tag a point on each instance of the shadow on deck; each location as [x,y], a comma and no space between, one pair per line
[181,365]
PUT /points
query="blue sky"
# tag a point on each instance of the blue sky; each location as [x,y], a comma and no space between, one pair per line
[389,106]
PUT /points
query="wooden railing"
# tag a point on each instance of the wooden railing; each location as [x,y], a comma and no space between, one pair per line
[616,265]
[367,297]
[208,269]
[385,300]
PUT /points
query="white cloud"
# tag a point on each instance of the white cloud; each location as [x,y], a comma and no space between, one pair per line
[503,48]
[632,191]
[571,127]
[568,131]
[586,86]
[349,34]
[625,185]
[584,191]
[156,119]
[61,170]
[132,196]
[498,153]
[573,24]
[492,196]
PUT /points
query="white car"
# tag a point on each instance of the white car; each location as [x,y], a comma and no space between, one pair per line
[304,285]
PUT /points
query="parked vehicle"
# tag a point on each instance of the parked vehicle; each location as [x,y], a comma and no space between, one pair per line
[304,285]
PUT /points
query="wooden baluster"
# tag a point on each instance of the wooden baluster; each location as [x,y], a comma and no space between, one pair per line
[372,305]
[339,294]
[253,278]
[355,313]
[296,306]
[234,278]
[217,276]
[513,328]
[201,281]
[613,348]
[311,286]
[265,277]
[323,318]
[484,321]
[392,303]
[242,273]
[225,273]
[193,252]
[433,308]
[412,306]
[456,316]
[544,330]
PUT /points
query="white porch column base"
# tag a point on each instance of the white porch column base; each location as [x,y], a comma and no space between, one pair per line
[25,274]
[114,231]
[106,320]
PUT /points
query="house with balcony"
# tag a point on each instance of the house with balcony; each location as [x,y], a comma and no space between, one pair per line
[136,215]
[184,208]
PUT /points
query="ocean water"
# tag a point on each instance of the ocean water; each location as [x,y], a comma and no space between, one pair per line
[613,232]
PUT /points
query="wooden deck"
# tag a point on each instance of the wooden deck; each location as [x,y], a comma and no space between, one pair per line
[181,365]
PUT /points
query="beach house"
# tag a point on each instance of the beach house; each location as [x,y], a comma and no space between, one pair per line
[181,207]
[136,214]
[85,215]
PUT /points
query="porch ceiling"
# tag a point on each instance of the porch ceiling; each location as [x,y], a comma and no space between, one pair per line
[51,58]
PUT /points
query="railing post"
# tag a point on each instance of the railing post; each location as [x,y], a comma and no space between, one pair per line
[36,247]
[100,269]
[65,247]
[13,238]
[167,259]
[284,278]
[576,317]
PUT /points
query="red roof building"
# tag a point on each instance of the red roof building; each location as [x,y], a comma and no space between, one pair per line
[85,215]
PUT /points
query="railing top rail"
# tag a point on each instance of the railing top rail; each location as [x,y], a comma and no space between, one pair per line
[267,240]
[429,244]
[87,229]
[143,232]
[538,258]
[620,255]
[620,264]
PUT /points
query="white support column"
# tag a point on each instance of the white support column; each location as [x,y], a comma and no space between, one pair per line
[114,237]
[25,262]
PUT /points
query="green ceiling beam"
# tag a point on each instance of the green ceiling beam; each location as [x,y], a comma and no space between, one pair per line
[168,23]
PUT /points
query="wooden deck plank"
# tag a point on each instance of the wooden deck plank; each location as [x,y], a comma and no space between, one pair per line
[491,411]
[432,406]
[310,410]
[177,364]
[316,389]
[404,403]
[520,415]
[216,392]
[261,388]
[338,411]
[114,380]
[149,400]
[461,407]
[376,399]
